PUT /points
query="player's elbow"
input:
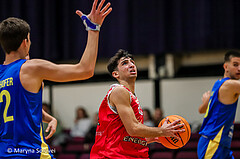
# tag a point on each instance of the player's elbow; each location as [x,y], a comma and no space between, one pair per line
[89,73]
[86,73]
[132,131]
[85,70]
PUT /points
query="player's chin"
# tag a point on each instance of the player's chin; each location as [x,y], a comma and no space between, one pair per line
[237,77]
[133,75]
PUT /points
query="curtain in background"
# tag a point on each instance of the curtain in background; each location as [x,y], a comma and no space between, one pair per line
[140,26]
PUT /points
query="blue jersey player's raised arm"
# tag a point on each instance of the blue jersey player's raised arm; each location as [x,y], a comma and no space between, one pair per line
[21,133]
[219,107]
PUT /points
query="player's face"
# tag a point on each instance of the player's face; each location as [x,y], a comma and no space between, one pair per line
[127,68]
[233,68]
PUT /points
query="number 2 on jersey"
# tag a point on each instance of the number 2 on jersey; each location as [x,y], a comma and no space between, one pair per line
[8,99]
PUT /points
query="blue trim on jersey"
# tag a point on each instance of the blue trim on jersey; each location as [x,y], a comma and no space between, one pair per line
[219,117]
[21,124]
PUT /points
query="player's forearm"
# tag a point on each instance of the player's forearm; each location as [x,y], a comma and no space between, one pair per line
[89,56]
[46,118]
[142,130]
[203,107]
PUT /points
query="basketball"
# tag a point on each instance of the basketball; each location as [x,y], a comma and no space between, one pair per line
[172,142]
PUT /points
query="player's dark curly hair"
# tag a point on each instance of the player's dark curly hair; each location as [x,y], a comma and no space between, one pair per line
[113,62]
[230,54]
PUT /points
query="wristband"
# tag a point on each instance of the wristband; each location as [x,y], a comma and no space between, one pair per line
[89,24]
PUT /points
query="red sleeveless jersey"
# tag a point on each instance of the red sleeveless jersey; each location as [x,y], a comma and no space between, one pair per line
[112,139]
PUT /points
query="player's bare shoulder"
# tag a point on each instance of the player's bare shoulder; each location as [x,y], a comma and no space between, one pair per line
[31,64]
[231,84]
[229,91]
[35,66]
[29,67]
[30,75]
[119,93]
[119,90]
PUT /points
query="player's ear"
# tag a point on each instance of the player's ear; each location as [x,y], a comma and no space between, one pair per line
[24,42]
[115,74]
[225,65]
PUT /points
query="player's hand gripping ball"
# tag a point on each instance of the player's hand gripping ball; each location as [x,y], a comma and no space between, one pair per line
[172,142]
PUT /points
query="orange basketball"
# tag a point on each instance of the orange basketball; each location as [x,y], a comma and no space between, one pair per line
[172,142]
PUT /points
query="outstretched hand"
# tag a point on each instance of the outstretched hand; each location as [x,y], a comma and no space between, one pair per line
[170,130]
[97,14]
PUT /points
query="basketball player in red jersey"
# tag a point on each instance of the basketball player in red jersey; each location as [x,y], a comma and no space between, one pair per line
[120,132]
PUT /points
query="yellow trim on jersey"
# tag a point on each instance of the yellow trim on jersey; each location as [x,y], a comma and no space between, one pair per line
[219,135]
[44,147]
[213,145]
[208,108]
[206,114]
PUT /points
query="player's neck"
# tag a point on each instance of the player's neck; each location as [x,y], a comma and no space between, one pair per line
[11,57]
[226,74]
[129,85]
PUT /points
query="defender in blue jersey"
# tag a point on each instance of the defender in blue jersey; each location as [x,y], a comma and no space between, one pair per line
[21,115]
[219,107]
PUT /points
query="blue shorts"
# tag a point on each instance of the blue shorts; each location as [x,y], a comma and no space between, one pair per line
[209,149]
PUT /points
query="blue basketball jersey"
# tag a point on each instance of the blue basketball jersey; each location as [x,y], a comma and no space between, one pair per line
[21,133]
[219,118]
